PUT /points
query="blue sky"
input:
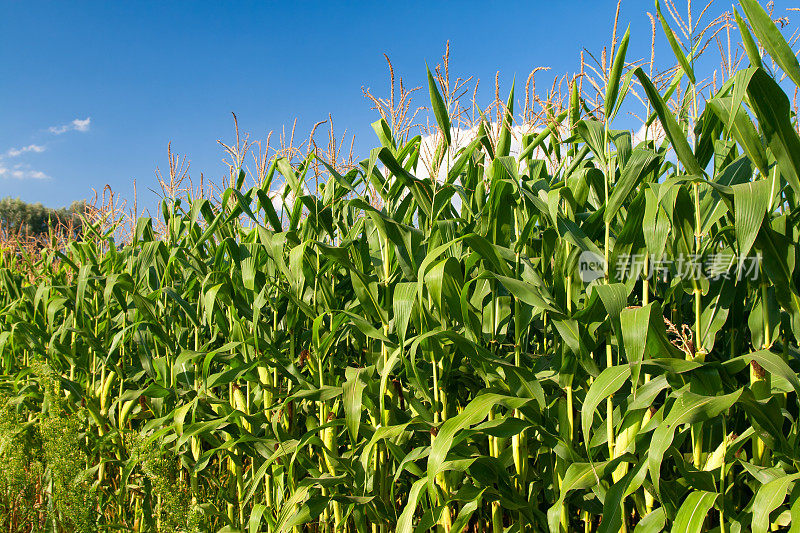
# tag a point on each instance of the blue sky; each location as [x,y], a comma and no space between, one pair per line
[92,92]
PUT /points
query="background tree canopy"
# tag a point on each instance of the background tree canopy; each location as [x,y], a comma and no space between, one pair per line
[18,217]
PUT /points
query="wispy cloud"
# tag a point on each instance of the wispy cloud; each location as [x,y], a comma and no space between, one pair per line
[14,152]
[24,171]
[78,124]
[21,171]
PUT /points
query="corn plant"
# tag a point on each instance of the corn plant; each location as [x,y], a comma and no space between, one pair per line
[595,331]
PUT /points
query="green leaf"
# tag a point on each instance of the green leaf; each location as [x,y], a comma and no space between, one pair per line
[743,130]
[693,511]
[771,39]
[607,383]
[653,522]
[673,131]
[439,107]
[353,390]
[635,323]
[474,412]
[541,136]
[768,497]
[676,47]
[580,476]
[751,201]
[613,510]
[504,140]
[384,133]
[288,173]
[772,363]
[771,106]
[254,522]
[612,87]
[688,408]
[747,39]
[638,166]
[406,522]
[593,134]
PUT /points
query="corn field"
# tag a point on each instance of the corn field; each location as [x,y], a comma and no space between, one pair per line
[596,331]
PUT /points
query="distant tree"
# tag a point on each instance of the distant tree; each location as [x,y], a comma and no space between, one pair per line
[33,220]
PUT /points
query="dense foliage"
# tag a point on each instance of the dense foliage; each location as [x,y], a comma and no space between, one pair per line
[31,220]
[396,352]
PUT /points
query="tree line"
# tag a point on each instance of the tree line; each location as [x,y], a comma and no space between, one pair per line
[19,218]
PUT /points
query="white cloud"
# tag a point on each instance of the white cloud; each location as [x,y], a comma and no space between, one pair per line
[21,171]
[78,124]
[654,132]
[82,125]
[24,171]
[284,194]
[14,152]
[460,139]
